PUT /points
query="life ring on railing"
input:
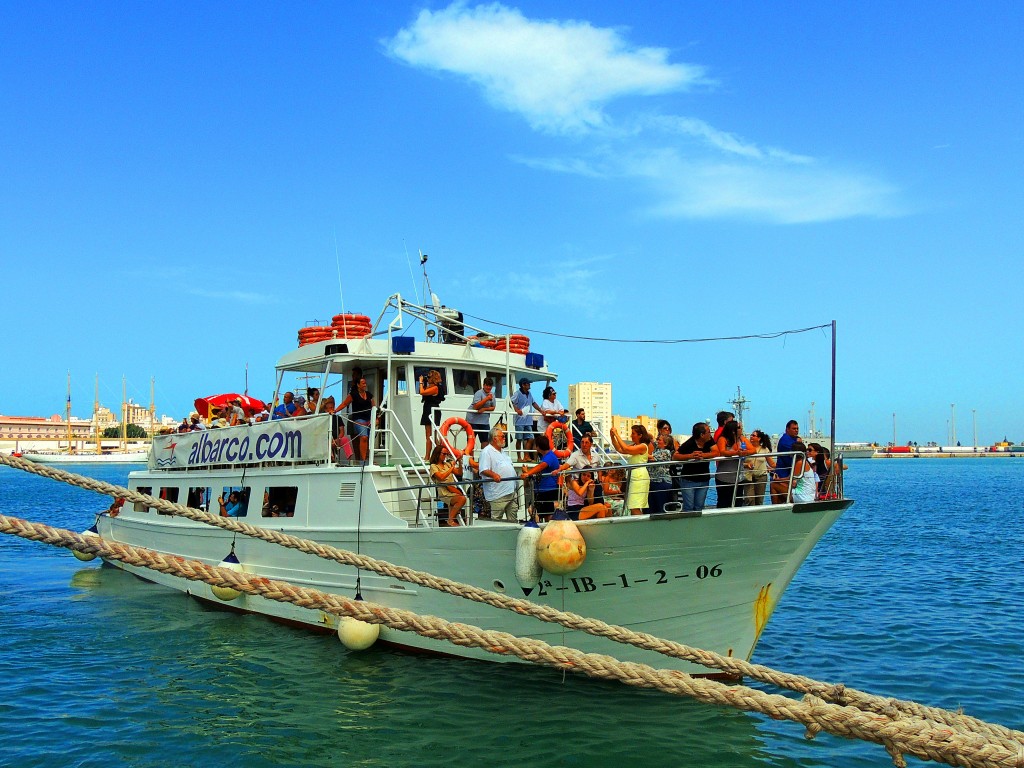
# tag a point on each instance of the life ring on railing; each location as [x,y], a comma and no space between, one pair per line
[564,453]
[470,435]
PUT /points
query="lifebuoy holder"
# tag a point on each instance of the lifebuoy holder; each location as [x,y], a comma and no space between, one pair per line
[470,435]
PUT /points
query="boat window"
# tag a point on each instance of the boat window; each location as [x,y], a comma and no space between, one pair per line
[199,498]
[168,494]
[466,382]
[279,500]
[499,383]
[401,385]
[236,499]
[423,370]
[138,506]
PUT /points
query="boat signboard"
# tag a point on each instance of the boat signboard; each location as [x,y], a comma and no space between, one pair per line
[287,440]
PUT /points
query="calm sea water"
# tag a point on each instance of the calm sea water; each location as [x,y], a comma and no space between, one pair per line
[916,593]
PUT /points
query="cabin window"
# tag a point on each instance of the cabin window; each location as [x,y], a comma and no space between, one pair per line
[199,498]
[138,506]
[401,385]
[235,500]
[424,370]
[168,494]
[499,383]
[279,501]
[466,382]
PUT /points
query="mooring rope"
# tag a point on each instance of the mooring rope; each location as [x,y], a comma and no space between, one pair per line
[1012,741]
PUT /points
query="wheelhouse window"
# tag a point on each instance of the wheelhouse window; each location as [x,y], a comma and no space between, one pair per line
[423,370]
[499,383]
[168,494]
[279,501]
[199,498]
[465,382]
[138,506]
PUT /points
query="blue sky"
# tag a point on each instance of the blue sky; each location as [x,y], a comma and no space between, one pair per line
[173,177]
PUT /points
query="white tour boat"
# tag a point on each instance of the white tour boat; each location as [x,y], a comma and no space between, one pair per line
[709,579]
[140,456]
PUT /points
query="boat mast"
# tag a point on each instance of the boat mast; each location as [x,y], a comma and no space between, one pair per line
[124,413]
[740,404]
[69,412]
[832,425]
[96,416]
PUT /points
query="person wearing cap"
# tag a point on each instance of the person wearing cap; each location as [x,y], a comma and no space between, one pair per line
[195,423]
[524,404]
[300,406]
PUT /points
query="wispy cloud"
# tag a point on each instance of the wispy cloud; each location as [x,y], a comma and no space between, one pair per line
[557,74]
[242,296]
[562,76]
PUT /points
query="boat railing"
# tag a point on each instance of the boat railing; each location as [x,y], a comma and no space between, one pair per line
[422,501]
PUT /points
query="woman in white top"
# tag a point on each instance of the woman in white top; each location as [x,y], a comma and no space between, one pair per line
[551,408]
[756,467]
[805,485]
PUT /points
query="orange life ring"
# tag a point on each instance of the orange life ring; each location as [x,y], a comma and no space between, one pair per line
[470,435]
[564,453]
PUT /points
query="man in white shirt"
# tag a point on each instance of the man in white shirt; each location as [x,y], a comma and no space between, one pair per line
[584,458]
[497,467]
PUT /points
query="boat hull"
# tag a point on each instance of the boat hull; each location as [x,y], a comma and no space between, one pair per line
[138,457]
[710,581]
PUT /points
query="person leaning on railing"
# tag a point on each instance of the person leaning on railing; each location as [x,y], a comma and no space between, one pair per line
[546,493]
[755,478]
[695,474]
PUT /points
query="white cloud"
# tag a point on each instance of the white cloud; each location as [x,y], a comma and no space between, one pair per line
[557,74]
[243,296]
[780,193]
[562,75]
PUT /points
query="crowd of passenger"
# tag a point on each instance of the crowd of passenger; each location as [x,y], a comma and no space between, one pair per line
[660,474]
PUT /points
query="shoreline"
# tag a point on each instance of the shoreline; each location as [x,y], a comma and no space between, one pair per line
[979,455]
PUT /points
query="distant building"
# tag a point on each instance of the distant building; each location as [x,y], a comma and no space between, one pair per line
[624,423]
[40,427]
[596,400]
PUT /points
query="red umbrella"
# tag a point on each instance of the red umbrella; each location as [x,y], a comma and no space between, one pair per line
[249,404]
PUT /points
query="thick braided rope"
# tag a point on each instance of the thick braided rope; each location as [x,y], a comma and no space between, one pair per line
[906,735]
[826,691]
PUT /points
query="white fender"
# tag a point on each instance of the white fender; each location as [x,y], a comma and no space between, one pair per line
[232,564]
[85,557]
[357,635]
[528,570]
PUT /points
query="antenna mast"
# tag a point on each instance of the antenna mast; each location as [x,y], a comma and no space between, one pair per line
[739,403]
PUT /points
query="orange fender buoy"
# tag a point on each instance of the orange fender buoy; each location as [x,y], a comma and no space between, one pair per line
[561,548]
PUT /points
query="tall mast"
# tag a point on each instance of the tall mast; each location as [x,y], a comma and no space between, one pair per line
[69,412]
[96,416]
[740,404]
[124,413]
